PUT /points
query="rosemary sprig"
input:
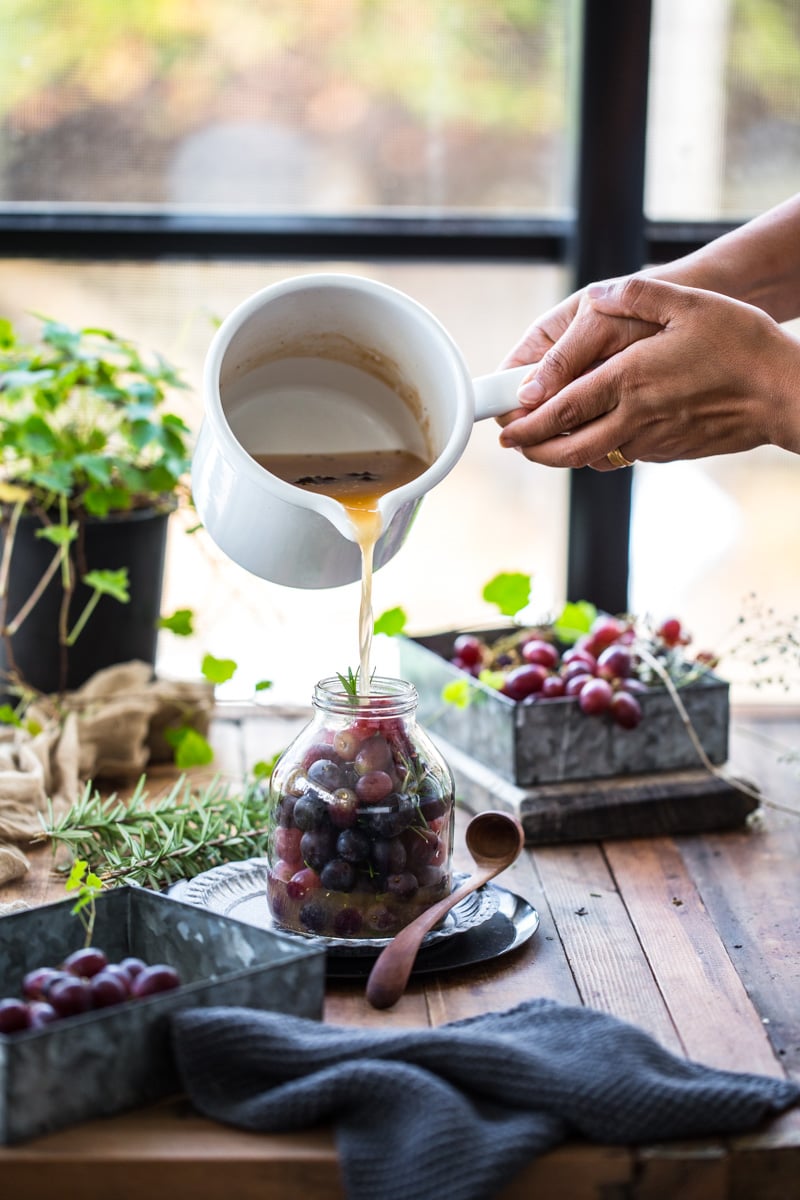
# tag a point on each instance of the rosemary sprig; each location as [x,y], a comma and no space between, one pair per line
[155,843]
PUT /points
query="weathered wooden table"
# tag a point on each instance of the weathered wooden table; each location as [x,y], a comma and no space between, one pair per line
[695,939]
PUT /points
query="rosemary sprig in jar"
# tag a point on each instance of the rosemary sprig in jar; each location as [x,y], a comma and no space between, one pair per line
[157,842]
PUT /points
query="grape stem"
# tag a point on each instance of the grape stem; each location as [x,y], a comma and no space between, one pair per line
[669,684]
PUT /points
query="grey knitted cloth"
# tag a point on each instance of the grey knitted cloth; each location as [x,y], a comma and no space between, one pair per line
[456,1111]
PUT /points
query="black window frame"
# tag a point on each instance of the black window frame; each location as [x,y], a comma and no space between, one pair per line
[607,235]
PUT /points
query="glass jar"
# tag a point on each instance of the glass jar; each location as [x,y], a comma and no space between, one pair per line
[361,817]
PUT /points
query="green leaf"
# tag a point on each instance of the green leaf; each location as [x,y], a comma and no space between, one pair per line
[492,679]
[7,336]
[110,583]
[263,685]
[180,623]
[457,692]
[100,500]
[191,748]
[77,872]
[218,670]
[263,769]
[8,716]
[510,591]
[392,622]
[59,535]
[574,620]
[54,477]
[96,466]
[36,437]
[61,336]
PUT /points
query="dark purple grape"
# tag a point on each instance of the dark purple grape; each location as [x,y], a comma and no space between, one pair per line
[157,978]
[70,996]
[325,773]
[388,856]
[347,923]
[469,649]
[353,845]
[107,988]
[404,885]
[15,1015]
[86,962]
[284,814]
[382,920]
[313,916]
[317,847]
[309,811]
[374,786]
[36,982]
[421,846]
[389,820]
[42,1014]
[338,875]
[374,755]
[615,663]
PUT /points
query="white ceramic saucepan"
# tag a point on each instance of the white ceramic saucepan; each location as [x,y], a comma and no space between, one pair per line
[328,363]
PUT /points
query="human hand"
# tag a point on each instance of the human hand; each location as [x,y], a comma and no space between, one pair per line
[706,375]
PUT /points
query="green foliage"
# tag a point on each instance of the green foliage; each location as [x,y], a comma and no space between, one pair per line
[191,748]
[218,670]
[510,591]
[392,622]
[82,417]
[574,620]
[154,842]
[181,622]
[88,887]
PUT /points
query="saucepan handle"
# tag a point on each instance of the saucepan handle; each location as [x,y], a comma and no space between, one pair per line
[497,393]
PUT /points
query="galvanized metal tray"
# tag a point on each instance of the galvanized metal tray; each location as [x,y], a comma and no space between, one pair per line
[552,741]
[117,1058]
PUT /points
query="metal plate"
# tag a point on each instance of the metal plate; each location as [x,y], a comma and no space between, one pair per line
[240,890]
[496,922]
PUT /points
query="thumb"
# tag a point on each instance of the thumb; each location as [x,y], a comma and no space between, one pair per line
[639,297]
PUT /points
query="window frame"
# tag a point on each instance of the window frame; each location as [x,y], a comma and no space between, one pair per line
[608,234]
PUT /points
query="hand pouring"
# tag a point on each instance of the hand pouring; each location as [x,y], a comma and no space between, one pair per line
[495,840]
[328,363]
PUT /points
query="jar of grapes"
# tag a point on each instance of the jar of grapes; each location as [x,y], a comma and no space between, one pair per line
[361,816]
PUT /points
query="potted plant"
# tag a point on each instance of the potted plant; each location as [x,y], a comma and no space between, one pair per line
[91,465]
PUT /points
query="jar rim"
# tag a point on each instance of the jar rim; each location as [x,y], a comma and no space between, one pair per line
[387,697]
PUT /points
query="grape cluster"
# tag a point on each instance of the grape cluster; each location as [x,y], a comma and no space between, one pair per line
[85,981]
[361,830]
[602,671]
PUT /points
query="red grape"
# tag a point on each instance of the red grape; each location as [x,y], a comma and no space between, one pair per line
[670,631]
[524,681]
[576,683]
[374,786]
[41,1014]
[301,883]
[553,686]
[374,755]
[157,978]
[626,710]
[108,987]
[14,1015]
[616,662]
[86,962]
[468,649]
[69,997]
[604,632]
[595,696]
[578,653]
[543,653]
[36,982]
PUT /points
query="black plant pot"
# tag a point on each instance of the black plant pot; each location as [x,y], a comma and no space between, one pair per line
[115,632]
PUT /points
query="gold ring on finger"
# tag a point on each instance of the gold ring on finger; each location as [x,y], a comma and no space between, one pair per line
[618,459]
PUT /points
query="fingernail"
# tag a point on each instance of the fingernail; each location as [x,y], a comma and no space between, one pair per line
[531,392]
[598,291]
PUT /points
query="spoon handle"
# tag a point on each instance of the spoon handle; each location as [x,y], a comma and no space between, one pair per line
[389,975]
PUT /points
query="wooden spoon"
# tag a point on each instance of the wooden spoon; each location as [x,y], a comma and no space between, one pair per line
[495,840]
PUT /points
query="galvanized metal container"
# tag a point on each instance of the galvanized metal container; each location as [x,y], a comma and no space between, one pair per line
[552,741]
[118,1058]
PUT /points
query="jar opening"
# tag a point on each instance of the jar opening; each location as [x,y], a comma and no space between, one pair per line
[387,697]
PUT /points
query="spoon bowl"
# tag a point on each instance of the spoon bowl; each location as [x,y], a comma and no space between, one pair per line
[495,840]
